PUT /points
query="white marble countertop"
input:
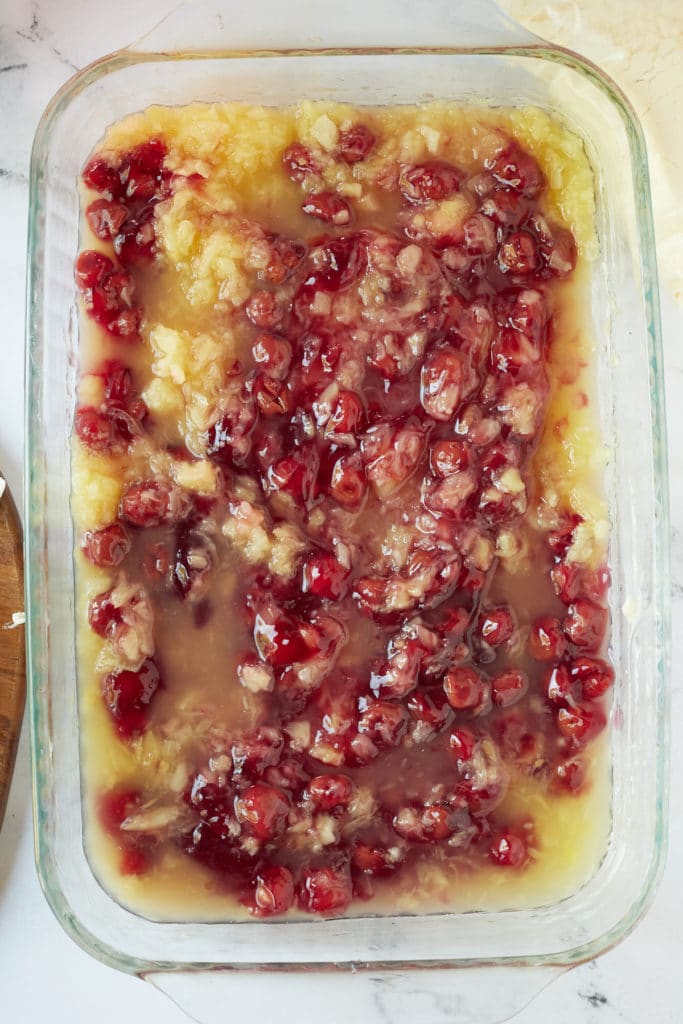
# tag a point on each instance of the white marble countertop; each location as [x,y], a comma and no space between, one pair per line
[43,975]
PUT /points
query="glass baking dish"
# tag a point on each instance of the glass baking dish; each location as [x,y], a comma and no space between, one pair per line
[401,964]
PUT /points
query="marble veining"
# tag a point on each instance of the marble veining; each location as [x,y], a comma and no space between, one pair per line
[43,975]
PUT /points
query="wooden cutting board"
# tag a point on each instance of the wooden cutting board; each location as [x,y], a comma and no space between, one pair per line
[12,640]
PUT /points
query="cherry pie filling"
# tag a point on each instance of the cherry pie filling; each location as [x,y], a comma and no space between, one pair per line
[343,599]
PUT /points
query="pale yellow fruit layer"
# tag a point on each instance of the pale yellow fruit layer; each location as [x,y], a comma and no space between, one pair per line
[238,150]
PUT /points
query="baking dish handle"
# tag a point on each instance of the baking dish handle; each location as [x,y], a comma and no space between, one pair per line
[213,25]
[472,995]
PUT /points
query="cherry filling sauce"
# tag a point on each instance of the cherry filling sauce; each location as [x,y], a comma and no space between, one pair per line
[379,430]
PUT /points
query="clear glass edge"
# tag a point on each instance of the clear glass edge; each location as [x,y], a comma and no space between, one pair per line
[35,531]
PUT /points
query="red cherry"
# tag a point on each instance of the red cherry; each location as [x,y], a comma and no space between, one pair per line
[134,861]
[561,254]
[140,185]
[111,304]
[229,439]
[391,456]
[253,753]
[556,246]
[572,581]
[147,158]
[505,209]
[264,310]
[429,182]
[454,622]
[118,382]
[370,594]
[448,497]
[323,576]
[325,890]
[106,547]
[465,689]
[145,503]
[127,694]
[273,354]
[283,256]
[480,235]
[499,456]
[92,268]
[263,811]
[102,614]
[527,313]
[288,774]
[95,429]
[339,262]
[115,805]
[136,241]
[560,540]
[211,799]
[102,176]
[482,787]
[448,457]
[355,144]
[427,825]
[214,803]
[509,687]
[273,891]
[272,397]
[509,849]
[594,676]
[142,172]
[546,639]
[348,484]
[569,775]
[192,561]
[287,474]
[430,706]
[516,170]
[221,856]
[105,218]
[296,474]
[384,722]
[397,676]
[299,162]
[511,351]
[518,254]
[566,580]
[462,743]
[373,860]
[441,383]
[558,683]
[585,624]
[471,579]
[328,207]
[496,626]
[278,638]
[347,414]
[125,324]
[516,738]
[328,792]
[580,724]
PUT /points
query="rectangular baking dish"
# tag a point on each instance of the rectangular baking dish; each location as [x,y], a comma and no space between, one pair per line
[628,358]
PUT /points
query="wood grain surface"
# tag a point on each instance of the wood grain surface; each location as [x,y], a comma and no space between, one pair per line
[12,641]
